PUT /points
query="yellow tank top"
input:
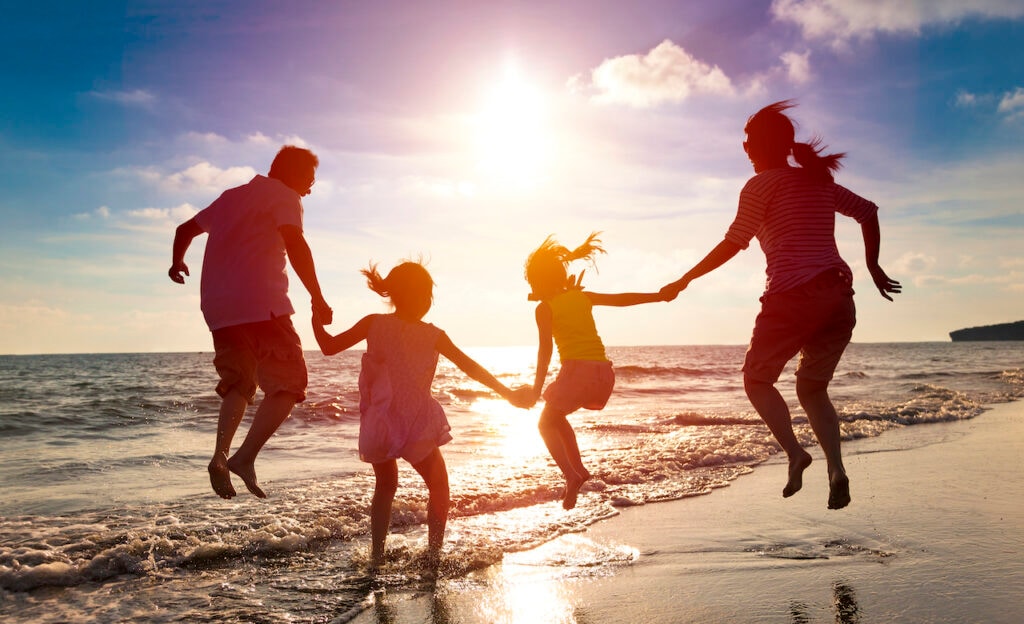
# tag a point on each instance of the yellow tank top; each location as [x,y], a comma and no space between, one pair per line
[573,328]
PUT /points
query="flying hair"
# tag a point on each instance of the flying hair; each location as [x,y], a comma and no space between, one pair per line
[547,267]
[771,126]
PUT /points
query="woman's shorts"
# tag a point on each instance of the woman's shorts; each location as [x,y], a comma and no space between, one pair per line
[583,384]
[815,319]
[267,354]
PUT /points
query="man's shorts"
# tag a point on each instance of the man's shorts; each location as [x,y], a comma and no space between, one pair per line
[815,319]
[580,384]
[267,354]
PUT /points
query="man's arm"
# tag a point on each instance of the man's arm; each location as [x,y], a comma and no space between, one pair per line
[301,259]
[872,243]
[182,239]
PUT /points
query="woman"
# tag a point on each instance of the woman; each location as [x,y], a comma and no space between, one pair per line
[807,306]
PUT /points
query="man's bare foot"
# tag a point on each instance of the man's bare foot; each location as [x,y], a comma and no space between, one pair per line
[572,489]
[838,491]
[220,478]
[797,465]
[247,472]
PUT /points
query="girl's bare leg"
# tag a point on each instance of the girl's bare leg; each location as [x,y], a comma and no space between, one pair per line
[560,440]
[435,475]
[384,489]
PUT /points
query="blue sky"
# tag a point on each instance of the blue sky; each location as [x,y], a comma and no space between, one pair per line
[465,132]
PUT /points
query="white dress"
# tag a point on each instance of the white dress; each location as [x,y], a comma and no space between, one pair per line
[398,415]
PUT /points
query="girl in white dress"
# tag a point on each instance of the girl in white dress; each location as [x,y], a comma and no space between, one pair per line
[399,418]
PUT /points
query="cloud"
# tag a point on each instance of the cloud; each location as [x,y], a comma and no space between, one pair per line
[913,263]
[842,20]
[798,66]
[102,212]
[135,97]
[201,177]
[666,74]
[1012,104]
[966,99]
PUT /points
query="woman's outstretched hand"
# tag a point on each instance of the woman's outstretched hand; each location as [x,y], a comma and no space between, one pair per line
[884,283]
[671,291]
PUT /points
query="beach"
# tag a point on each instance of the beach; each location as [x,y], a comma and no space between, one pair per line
[935,533]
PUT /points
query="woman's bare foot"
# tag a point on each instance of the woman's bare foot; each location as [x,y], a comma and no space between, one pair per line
[572,489]
[220,478]
[797,465]
[838,491]
[247,472]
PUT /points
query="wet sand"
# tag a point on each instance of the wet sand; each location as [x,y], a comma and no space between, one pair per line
[935,533]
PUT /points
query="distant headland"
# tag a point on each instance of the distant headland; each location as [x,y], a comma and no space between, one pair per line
[1002,331]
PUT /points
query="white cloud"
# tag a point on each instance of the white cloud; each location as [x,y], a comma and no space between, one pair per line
[841,20]
[102,212]
[202,177]
[798,66]
[1012,104]
[965,99]
[135,97]
[667,73]
[913,263]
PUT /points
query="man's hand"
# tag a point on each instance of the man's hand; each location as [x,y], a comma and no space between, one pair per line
[175,272]
[322,313]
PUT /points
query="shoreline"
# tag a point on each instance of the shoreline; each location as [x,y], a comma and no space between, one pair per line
[932,535]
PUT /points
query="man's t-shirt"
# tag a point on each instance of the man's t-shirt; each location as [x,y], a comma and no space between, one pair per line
[244,276]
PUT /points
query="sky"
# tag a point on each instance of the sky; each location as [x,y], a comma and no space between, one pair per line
[463,133]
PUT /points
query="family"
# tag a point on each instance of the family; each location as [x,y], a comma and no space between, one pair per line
[254,229]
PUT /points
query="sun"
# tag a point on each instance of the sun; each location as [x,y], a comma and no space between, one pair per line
[514,140]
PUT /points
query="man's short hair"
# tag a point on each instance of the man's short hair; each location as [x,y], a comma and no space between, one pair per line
[291,161]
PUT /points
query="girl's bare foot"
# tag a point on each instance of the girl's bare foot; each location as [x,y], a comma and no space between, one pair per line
[797,465]
[838,491]
[247,472]
[220,478]
[572,489]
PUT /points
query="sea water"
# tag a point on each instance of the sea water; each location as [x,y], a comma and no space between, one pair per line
[106,512]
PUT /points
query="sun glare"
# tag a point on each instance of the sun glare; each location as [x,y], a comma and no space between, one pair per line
[514,141]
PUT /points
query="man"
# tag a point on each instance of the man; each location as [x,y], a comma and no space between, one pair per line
[244,298]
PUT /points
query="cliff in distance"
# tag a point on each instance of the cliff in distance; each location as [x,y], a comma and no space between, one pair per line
[1002,331]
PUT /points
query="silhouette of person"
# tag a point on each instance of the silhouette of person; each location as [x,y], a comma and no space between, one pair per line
[807,306]
[252,229]
[398,415]
[585,379]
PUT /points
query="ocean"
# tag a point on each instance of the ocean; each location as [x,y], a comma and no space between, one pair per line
[107,514]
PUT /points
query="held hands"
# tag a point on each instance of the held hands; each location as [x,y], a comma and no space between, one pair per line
[671,291]
[523,397]
[176,271]
[884,283]
[322,313]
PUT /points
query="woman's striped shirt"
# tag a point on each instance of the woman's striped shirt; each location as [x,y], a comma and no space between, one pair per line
[793,217]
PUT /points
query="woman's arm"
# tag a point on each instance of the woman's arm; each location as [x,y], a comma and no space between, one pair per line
[722,253]
[872,234]
[329,345]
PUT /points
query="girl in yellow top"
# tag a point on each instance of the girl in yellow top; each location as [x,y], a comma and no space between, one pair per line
[585,379]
